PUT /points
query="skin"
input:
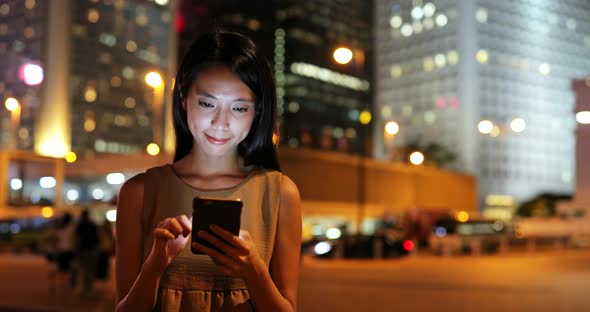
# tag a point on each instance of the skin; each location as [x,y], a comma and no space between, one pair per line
[220,110]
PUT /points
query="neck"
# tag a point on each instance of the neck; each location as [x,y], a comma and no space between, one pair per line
[207,165]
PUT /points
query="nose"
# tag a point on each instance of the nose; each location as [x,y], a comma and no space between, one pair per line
[220,120]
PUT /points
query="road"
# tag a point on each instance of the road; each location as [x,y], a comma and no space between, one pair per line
[556,280]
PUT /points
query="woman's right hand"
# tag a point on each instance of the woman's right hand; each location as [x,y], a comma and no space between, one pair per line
[170,237]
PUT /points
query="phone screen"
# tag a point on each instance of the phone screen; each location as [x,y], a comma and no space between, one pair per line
[224,213]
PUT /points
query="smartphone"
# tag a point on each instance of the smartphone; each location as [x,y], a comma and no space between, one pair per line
[225,213]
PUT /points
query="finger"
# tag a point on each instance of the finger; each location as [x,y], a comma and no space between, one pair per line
[174,227]
[186,224]
[216,256]
[217,242]
[245,235]
[163,234]
[229,237]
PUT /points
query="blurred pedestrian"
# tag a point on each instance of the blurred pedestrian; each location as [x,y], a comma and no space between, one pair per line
[50,250]
[66,274]
[87,247]
[106,250]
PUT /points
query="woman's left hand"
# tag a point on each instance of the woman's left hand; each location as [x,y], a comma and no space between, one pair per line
[238,258]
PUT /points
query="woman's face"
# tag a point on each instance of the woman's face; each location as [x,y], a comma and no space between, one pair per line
[220,109]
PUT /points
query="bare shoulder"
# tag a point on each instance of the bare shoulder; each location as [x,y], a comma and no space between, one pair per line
[135,183]
[289,192]
[131,192]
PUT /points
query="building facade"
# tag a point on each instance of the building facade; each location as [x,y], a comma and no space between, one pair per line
[489,80]
[22,34]
[95,55]
[581,199]
[321,101]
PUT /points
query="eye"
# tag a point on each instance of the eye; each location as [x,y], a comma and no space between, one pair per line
[205,104]
[241,109]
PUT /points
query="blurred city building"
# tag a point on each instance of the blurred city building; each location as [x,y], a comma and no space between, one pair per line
[320,102]
[94,56]
[581,201]
[489,80]
[325,103]
[75,85]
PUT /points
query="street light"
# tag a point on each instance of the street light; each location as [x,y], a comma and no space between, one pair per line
[390,130]
[416,158]
[583,117]
[485,127]
[13,106]
[517,125]
[342,55]
[154,80]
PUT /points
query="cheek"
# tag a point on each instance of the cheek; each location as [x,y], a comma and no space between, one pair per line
[196,121]
[246,124]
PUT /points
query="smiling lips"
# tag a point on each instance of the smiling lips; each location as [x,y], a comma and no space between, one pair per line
[215,140]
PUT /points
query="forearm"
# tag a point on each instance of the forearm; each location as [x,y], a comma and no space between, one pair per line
[143,294]
[264,293]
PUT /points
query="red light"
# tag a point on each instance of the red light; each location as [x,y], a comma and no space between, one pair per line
[440,102]
[408,245]
[179,23]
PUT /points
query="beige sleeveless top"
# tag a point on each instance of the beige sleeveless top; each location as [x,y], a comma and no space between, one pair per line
[193,282]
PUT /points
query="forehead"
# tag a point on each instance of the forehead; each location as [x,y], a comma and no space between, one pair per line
[219,80]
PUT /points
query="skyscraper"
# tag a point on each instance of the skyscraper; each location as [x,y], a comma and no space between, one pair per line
[320,100]
[95,55]
[21,42]
[449,68]
[581,199]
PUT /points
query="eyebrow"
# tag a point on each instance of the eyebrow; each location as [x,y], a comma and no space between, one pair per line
[205,94]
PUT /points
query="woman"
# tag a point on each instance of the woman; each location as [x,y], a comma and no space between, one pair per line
[224,106]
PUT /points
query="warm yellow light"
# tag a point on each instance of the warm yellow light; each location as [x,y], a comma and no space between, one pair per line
[71,157]
[544,69]
[53,146]
[499,200]
[343,55]
[47,212]
[365,118]
[11,104]
[462,216]
[518,125]
[396,71]
[416,158]
[153,79]
[93,15]
[485,126]
[153,149]
[90,94]
[89,125]
[391,128]
[495,131]
[275,138]
[482,56]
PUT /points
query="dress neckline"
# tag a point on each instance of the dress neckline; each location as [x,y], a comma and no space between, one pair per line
[225,189]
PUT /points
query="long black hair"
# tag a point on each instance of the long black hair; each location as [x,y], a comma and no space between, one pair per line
[243,58]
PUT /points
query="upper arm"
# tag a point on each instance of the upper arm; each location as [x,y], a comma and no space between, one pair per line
[129,240]
[287,248]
